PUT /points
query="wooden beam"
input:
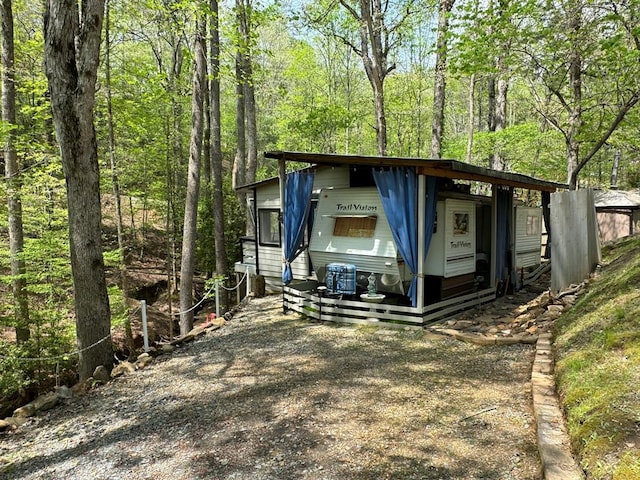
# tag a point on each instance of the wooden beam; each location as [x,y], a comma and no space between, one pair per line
[509,180]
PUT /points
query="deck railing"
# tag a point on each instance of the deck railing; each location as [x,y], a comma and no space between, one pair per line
[304,298]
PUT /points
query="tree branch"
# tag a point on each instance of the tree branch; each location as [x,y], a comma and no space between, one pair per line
[629,104]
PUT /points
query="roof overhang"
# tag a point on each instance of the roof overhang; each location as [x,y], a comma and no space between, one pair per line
[435,167]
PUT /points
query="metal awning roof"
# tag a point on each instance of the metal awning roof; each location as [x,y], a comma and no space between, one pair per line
[435,167]
[612,199]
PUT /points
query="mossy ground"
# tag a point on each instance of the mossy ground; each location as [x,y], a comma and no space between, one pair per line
[598,367]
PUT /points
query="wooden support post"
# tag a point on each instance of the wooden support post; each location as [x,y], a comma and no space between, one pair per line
[282,178]
[494,234]
[421,204]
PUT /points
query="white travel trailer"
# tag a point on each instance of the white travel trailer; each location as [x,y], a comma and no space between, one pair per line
[350,227]
[469,253]
[528,237]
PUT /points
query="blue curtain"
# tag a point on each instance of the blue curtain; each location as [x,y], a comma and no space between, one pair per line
[430,214]
[503,214]
[297,203]
[397,188]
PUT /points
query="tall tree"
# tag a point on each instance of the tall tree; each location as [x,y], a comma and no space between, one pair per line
[72,54]
[187,265]
[439,88]
[13,177]
[246,161]
[591,68]
[246,24]
[380,29]
[216,138]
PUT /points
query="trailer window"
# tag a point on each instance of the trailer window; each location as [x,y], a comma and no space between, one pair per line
[269,226]
[533,225]
[357,227]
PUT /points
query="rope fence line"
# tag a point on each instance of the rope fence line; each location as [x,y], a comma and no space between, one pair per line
[63,356]
[204,297]
[141,307]
[231,289]
[206,294]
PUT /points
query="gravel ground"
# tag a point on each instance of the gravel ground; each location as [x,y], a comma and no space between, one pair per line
[273,396]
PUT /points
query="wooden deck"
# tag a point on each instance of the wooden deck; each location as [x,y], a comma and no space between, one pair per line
[302,297]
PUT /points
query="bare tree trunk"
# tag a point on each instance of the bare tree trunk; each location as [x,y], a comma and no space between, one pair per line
[500,118]
[193,180]
[614,170]
[238,173]
[374,50]
[575,80]
[439,89]
[114,174]
[252,134]
[13,177]
[112,141]
[249,105]
[72,54]
[470,126]
[216,142]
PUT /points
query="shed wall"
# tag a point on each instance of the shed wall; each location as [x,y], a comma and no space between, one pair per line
[575,248]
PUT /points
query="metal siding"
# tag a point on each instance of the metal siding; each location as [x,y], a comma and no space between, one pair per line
[575,248]
[527,247]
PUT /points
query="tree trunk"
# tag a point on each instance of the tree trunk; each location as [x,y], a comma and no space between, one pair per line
[249,109]
[114,174]
[239,164]
[491,103]
[193,181]
[381,118]
[575,80]
[375,62]
[13,177]
[614,170]
[72,54]
[439,89]
[500,118]
[216,141]
[471,117]
[238,174]
[373,51]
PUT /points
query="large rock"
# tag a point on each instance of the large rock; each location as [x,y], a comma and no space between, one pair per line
[28,410]
[46,401]
[11,423]
[43,402]
[143,360]
[63,392]
[122,368]
[101,374]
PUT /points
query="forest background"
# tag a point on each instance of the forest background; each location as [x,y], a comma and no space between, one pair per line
[188,93]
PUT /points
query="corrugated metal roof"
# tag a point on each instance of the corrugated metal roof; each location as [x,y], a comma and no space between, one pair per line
[616,199]
[436,167]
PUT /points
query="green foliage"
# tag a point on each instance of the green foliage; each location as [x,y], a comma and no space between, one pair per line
[598,343]
[118,305]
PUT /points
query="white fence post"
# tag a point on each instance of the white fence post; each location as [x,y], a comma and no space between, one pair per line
[217,284]
[248,282]
[145,333]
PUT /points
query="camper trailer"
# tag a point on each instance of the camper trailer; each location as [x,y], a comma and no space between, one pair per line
[350,227]
[352,247]
[528,237]
[450,265]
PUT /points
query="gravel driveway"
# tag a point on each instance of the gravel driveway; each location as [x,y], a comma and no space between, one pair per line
[273,396]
